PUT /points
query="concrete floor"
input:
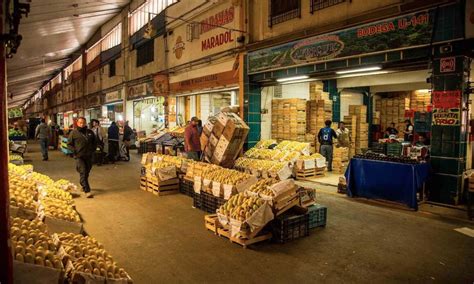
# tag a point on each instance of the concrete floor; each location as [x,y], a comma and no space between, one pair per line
[163,239]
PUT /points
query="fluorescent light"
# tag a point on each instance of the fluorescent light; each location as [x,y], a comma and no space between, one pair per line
[423,91]
[292,78]
[364,69]
[298,81]
[363,74]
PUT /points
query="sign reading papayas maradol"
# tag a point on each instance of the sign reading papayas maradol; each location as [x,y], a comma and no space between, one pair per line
[401,32]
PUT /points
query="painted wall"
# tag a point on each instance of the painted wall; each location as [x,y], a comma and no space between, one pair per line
[109,82]
[329,18]
[93,82]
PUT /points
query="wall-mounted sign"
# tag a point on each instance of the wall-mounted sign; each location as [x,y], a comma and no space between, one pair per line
[446,99]
[113,96]
[178,48]
[92,101]
[414,29]
[447,64]
[160,85]
[140,90]
[205,82]
[450,117]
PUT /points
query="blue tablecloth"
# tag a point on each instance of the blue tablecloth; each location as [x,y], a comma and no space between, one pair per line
[386,180]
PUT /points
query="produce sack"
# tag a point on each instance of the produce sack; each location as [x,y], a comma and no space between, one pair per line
[283,173]
[165,173]
[217,189]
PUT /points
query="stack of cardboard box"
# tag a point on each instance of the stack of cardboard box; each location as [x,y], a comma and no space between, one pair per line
[393,110]
[222,138]
[340,159]
[362,127]
[289,119]
[420,100]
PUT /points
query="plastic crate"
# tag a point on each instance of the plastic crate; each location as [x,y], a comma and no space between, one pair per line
[291,225]
[317,215]
[197,201]
[394,149]
[186,187]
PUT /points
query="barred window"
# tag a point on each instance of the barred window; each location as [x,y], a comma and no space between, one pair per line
[113,38]
[317,5]
[283,10]
[93,52]
[146,12]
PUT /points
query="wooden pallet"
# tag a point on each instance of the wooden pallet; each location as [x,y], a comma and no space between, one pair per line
[164,187]
[212,224]
[143,184]
[316,172]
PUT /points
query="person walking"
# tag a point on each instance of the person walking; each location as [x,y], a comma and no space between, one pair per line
[192,142]
[113,137]
[325,137]
[43,133]
[99,136]
[127,137]
[82,143]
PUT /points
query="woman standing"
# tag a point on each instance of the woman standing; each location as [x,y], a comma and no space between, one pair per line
[408,131]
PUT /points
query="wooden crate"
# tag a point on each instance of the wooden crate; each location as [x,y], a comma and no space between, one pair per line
[311,173]
[143,184]
[212,224]
[163,187]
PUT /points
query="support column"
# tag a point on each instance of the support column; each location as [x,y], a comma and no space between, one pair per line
[330,86]
[6,263]
[450,95]
[252,107]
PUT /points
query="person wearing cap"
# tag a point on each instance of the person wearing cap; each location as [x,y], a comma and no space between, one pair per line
[192,143]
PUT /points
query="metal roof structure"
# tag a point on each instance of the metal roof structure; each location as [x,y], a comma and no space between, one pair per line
[53,31]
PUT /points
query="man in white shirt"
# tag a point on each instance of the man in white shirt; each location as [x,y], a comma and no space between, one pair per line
[343,135]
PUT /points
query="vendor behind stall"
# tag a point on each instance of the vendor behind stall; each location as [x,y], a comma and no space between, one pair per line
[391,130]
[408,133]
[343,135]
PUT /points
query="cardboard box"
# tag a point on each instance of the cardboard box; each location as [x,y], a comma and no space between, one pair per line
[36,274]
[218,129]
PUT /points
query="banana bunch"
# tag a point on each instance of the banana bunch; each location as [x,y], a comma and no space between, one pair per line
[89,256]
[27,167]
[22,194]
[262,187]
[226,176]
[41,179]
[59,210]
[31,244]
[240,206]
[175,160]
[54,192]
[292,146]
[18,182]
[161,164]
[263,154]
[15,157]
[262,165]
[14,170]
[264,144]
[291,155]
[99,266]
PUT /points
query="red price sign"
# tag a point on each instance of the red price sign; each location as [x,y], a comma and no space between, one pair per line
[446,99]
[409,113]
[447,64]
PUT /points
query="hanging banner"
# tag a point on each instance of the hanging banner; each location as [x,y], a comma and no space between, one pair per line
[406,31]
[446,99]
[450,117]
[113,96]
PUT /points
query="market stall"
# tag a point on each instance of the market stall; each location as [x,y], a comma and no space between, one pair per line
[393,179]
[47,235]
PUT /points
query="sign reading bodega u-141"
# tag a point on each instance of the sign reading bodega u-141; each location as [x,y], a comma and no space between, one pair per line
[402,32]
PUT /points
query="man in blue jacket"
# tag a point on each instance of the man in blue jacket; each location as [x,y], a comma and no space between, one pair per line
[325,137]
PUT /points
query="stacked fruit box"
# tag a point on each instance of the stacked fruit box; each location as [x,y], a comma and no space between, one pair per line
[289,119]
[419,101]
[362,132]
[351,123]
[223,143]
[392,110]
[340,159]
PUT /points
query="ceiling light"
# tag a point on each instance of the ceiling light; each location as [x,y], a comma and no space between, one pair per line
[363,74]
[299,81]
[292,78]
[423,91]
[364,69]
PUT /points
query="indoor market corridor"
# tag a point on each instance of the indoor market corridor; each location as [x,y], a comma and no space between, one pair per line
[163,239]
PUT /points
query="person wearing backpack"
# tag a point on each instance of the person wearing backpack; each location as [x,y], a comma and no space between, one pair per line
[325,137]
